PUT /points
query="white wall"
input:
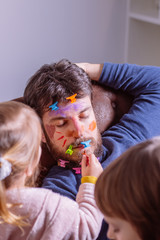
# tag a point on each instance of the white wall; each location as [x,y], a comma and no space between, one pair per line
[34,32]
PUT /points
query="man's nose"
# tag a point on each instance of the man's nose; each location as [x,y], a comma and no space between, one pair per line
[77,128]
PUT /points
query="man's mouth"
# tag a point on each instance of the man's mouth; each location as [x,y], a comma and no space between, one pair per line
[79,146]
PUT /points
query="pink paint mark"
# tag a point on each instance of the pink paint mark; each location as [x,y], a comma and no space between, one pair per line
[58,132]
[64,142]
[60,138]
[62,163]
[50,130]
[78,170]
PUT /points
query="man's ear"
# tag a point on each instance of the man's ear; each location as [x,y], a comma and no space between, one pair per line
[43,137]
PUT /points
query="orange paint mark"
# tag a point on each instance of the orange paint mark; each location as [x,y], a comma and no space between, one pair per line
[82,128]
[72,98]
[92,125]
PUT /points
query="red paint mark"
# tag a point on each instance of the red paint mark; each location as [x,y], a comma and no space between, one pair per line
[87,161]
[64,142]
[50,130]
[60,138]
[87,158]
[92,125]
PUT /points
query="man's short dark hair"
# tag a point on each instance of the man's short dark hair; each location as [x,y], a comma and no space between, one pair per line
[55,82]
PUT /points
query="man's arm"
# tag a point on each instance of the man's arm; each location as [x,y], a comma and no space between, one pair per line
[143,83]
[93,70]
[142,120]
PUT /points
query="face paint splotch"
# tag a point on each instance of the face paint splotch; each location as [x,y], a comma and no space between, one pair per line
[50,130]
[62,163]
[82,128]
[77,170]
[69,150]
[86,143]
[62,110]
[92,125]
[61,137]
[72,98]
[54,106]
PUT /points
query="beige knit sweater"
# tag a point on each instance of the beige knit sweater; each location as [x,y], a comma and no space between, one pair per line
[53,217]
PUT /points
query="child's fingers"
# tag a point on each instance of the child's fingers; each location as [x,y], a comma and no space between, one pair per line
[83,163]
[91,166]
[92,159]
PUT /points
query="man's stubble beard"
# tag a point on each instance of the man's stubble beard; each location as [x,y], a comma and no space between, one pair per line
[74,159]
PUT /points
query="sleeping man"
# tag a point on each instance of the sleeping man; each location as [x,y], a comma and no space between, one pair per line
[61,94]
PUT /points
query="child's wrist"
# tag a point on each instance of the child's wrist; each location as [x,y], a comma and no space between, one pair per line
[89,179]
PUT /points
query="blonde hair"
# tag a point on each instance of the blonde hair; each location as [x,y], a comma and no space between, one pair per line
[20,137]
[129,188]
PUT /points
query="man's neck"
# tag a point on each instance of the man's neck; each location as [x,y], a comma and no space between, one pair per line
[70,165]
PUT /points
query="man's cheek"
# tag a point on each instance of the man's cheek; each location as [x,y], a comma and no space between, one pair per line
[92,125]
[50,130]
[61,138]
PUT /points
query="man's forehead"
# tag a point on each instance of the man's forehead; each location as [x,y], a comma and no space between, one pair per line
[63,109]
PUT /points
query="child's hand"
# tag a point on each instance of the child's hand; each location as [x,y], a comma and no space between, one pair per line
[91,166]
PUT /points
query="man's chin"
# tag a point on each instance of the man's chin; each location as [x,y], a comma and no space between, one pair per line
[75,157]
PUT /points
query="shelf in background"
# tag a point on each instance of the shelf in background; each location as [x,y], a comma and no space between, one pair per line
[143,32]
[144,18]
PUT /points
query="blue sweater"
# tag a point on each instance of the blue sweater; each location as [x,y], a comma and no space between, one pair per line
[140,123]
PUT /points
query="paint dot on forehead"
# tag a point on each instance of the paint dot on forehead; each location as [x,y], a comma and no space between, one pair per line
[77,106]
[50,130]
[64,109]
[58,112]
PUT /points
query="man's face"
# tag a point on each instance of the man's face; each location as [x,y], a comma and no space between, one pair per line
[72,126]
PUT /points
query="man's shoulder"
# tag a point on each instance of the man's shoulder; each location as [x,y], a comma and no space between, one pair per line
[63,181]
[62,172]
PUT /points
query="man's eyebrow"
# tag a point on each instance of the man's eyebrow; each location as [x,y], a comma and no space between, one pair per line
[64,117]
[57,118]
[85,109]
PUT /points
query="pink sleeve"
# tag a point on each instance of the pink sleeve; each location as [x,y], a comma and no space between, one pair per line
[67,219]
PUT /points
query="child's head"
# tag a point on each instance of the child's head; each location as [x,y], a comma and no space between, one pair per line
[128,193]
[20,137]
